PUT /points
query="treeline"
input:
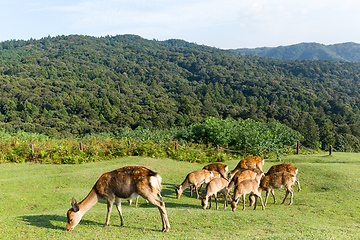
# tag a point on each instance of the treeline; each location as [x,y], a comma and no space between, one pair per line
[68,86]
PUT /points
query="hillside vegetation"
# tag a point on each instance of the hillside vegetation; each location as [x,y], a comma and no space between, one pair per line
[337,52]
[77,85]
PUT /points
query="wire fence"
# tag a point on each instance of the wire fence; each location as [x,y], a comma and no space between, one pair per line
[81,147]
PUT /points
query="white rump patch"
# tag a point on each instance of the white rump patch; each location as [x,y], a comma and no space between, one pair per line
[155,182]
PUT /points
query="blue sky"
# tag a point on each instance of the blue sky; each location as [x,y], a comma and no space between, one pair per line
[218,23]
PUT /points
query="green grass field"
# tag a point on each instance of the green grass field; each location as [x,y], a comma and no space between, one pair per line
[35,197]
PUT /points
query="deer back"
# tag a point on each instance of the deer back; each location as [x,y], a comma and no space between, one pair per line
[246,163]
[284,167]
[243,175]
[218,167]
[215,185]
[200,176]
[123,182]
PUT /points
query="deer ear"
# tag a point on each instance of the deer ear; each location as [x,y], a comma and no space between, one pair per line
[74,205]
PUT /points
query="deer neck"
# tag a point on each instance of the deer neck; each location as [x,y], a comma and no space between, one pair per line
[91,199]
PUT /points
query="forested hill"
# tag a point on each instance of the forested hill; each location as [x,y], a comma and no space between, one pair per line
[303,51]
[79,85]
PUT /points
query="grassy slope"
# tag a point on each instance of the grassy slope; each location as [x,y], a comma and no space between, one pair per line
[35,197]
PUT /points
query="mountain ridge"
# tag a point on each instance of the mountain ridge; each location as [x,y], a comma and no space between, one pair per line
[348,51]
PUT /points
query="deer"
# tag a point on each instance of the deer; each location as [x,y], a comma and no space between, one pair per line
[278,180]
[218,167]
[247,186]
[250,173]
[194,179]
[123,183]
[212,188]
[250,162]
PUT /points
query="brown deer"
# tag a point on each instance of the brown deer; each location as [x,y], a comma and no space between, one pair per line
[212,188]
[194,179]
[250,162]
[248,186]
[251,173]
[278,180]
[218,167]
[284,167]
[122,183]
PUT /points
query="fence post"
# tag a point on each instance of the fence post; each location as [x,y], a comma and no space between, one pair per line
[32,151]
[129,143]
[81,146]
[217,147]
[176,145]
[330,150]
[298,147]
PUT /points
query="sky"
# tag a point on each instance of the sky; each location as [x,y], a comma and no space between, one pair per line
[224,24]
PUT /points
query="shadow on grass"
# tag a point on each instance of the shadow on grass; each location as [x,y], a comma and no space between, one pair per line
[51,221]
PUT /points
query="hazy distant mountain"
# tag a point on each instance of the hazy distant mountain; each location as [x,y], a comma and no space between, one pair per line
[338,52]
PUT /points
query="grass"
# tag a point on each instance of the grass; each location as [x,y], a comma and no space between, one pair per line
[35,197]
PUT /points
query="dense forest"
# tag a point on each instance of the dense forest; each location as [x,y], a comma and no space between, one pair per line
[76,85]
[304,51]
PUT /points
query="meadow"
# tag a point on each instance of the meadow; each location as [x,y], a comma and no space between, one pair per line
[34,199]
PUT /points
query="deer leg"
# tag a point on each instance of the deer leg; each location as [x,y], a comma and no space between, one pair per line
[118,206]
[267,196]
[109,207]
[209,202]
[261,200]
[298,183]
[161,206]
[226,199]
[255,201]
[243,197]
[289,190]
[252,199]
[273,194]
[136,201]
[200,187]
[292,196]
[215,196]
[197,192]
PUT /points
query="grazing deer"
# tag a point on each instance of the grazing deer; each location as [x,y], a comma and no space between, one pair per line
[284,167]
[194,179]
[251,173]
[278,180]
[212,188]
[250,162]
[218,167]
[248,186]
[122,183]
